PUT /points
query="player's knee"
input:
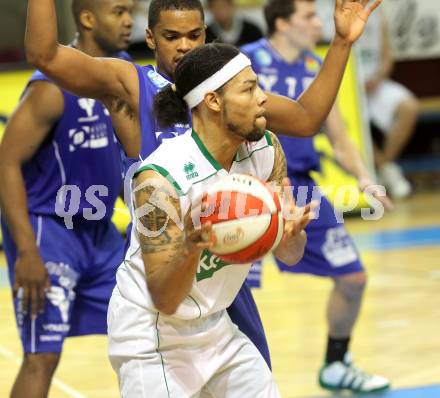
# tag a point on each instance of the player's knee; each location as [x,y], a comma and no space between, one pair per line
[410,106]
[41,364]
[353,285]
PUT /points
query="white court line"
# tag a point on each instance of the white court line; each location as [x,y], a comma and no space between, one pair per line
[394,324]
[4,352]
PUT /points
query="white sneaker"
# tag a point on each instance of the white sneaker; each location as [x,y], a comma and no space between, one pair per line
[391,176]
[345,376]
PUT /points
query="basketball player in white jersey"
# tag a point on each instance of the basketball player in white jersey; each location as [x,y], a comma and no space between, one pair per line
[170,334]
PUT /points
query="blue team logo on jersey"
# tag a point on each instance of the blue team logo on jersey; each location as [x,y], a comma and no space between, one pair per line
[158,80]
[312,64]
[263,58]
[93,132]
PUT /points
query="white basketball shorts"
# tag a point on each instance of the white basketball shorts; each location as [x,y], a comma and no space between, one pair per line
[157,356]
[384,101]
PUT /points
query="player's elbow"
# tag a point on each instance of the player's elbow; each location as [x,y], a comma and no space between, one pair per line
[165,306]
[305,130]
[38,60]
[309,124]
[38,57]
[168,310]
[311,128]
[163,302]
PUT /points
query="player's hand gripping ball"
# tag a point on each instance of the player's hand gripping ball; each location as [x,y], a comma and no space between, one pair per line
[246,218]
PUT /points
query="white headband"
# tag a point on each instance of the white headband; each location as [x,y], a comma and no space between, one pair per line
[212,83]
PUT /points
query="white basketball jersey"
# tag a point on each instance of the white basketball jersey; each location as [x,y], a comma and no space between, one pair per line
[186,163]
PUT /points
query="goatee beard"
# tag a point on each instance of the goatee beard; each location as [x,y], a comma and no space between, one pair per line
[254,136]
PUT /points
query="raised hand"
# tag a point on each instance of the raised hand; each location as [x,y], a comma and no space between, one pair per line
[351,17]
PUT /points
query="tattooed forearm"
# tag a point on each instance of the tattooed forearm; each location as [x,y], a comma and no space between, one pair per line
[170,266]
[151,246]
[158,239]
[279,166]
[155,208]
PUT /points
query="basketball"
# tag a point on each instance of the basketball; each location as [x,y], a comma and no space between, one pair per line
[246,217]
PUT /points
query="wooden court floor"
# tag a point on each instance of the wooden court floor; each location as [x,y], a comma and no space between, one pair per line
[397,334]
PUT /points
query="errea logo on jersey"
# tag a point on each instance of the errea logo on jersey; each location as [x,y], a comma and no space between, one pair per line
[189,169]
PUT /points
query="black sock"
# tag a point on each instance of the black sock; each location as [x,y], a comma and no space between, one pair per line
[336,349]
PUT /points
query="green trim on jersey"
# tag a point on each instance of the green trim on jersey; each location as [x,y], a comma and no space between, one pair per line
[205,151]
[160,354]
[164,173]
[269,144]
[203,179]
[268,138]
[198,306]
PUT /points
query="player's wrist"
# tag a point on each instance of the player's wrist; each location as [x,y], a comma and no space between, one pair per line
[27,249]
[291,249]
[341,42]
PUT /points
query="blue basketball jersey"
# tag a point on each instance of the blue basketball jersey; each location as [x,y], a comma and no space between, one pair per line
[78,167]
[289,79]
[150,83]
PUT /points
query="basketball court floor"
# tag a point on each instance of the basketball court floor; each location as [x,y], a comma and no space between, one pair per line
[398,333]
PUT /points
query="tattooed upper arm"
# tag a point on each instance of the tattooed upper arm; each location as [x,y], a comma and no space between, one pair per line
[157,214]
[279,170]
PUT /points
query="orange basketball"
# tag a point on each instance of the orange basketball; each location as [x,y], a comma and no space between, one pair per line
[246,217]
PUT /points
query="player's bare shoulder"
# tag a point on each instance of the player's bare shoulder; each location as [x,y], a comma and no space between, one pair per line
[279,171]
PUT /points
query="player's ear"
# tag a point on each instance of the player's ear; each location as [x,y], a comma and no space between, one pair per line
[151,43]
[213,101]
[87,19]
[280,25]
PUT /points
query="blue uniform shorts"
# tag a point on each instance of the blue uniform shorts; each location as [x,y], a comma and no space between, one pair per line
[82,265]
[329,252]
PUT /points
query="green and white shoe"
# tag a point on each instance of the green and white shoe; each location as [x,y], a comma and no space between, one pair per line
[345,376]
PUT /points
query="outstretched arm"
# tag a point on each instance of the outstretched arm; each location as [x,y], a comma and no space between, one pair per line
[306,116]
[113,81]
[99,78]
